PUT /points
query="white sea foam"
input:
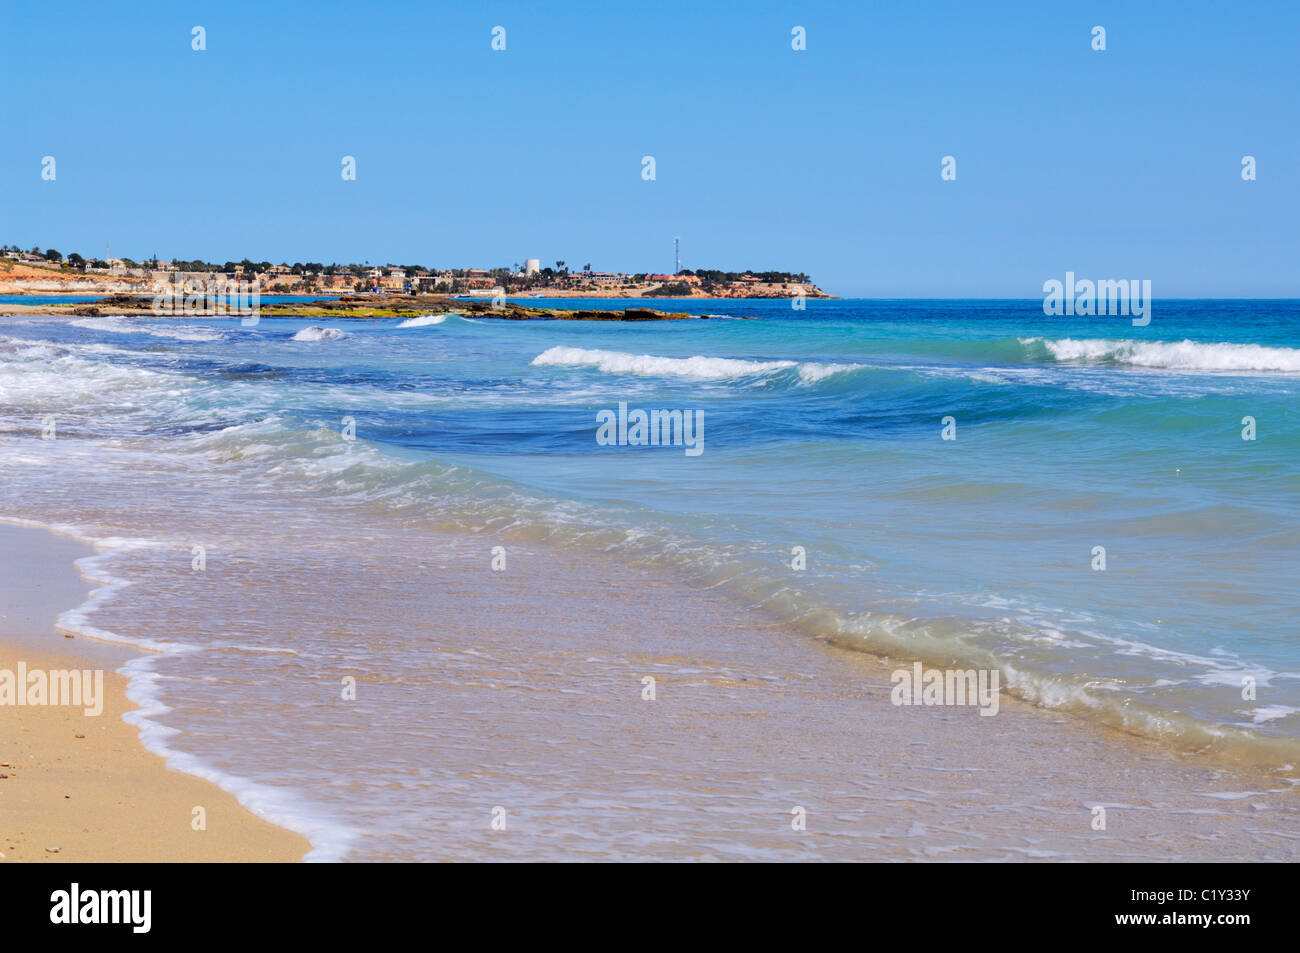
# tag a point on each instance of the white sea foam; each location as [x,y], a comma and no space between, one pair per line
[123,326]
[618,362]
[698,367]
[1173,355]
[811,373]
[423,321]
[52,378]
[1266,713]
[315,333]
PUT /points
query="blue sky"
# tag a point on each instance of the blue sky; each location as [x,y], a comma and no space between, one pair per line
[1123,163]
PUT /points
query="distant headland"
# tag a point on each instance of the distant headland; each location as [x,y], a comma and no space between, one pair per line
[38,272]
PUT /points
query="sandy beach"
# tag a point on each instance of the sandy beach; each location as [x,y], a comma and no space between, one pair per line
[78,787]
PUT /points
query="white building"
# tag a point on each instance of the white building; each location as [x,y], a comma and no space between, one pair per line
[532,266]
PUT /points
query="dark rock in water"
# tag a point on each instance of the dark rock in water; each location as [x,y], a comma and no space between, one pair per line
[124,301]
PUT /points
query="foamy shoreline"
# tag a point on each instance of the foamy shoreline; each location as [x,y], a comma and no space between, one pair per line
[813,725]
[82,787]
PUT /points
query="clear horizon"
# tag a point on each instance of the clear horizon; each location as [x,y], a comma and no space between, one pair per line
[1123,163]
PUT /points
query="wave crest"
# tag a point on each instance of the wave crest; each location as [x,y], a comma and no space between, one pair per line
[423,320]
[1183,355]
[648,365]
[315,333]
[699,367]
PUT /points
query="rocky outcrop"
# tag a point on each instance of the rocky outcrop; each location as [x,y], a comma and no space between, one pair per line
[389,306]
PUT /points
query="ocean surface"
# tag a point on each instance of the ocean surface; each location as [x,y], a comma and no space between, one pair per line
[315,462]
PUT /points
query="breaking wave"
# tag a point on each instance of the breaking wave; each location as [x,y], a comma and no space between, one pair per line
[423,321]
[315,333]
[698,367]
[1173,355]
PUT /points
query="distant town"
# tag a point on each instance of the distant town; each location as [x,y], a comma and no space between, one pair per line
[48,271]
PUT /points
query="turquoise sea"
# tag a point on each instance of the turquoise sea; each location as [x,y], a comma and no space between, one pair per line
[1113,525]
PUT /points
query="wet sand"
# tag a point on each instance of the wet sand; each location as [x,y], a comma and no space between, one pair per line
[540,710]
[530,699]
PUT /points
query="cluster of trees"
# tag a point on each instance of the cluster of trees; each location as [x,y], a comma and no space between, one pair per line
[771,277]
[311,268]
[53,256]
[50,254]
